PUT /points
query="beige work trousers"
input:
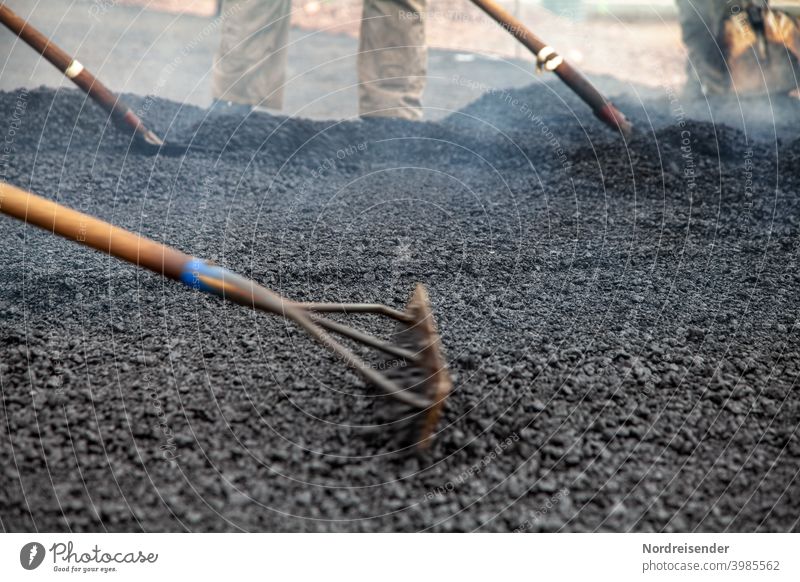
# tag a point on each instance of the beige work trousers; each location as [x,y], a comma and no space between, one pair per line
[250,65]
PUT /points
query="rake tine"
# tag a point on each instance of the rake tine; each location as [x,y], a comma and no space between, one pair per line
[376,308]
[365,338]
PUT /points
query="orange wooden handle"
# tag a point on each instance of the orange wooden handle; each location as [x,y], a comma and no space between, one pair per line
[92,232]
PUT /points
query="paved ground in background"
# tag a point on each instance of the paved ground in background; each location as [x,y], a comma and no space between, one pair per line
[644,39]
[170,55]
[647,51]
[621,322]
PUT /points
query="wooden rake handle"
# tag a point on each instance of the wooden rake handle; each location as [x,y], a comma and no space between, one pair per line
[92,232]
[550,60]
[78,74]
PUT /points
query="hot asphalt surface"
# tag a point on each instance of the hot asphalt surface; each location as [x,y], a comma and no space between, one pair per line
[620,320]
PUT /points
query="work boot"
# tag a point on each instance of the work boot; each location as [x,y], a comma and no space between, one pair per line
[223,107]
[392,59]
[762,47]
[250,64]
[738,46]
[701,23]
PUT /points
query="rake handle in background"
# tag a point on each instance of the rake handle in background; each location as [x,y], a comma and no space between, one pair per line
[77,73]
[602,107]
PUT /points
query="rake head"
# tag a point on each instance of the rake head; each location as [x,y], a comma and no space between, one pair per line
[413,375]
[415,389]
[414,384]
[425,376]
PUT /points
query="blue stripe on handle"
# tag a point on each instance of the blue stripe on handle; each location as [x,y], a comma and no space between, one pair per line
[197,268]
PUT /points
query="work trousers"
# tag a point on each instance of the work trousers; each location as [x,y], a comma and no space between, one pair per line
[250,65]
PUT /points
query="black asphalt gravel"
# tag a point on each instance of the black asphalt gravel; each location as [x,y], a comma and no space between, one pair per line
[620,320]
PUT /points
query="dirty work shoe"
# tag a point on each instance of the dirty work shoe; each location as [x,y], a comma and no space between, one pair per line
[223,107]
[267,110]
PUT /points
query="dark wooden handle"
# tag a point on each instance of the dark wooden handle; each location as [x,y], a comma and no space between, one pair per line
[77,73]
[573,78]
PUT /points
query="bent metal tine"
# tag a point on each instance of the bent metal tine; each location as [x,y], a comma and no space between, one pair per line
[364,338]
[354,308]
[189,270]
[78,74]
[548,59]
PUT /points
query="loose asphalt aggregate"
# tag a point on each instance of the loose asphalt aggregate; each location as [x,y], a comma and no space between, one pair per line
[620,319]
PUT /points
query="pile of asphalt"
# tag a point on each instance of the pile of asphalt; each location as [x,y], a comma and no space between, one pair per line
[620,320]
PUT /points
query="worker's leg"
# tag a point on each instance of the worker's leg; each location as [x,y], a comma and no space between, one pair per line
[392,59]
[701,24]
[250,65]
